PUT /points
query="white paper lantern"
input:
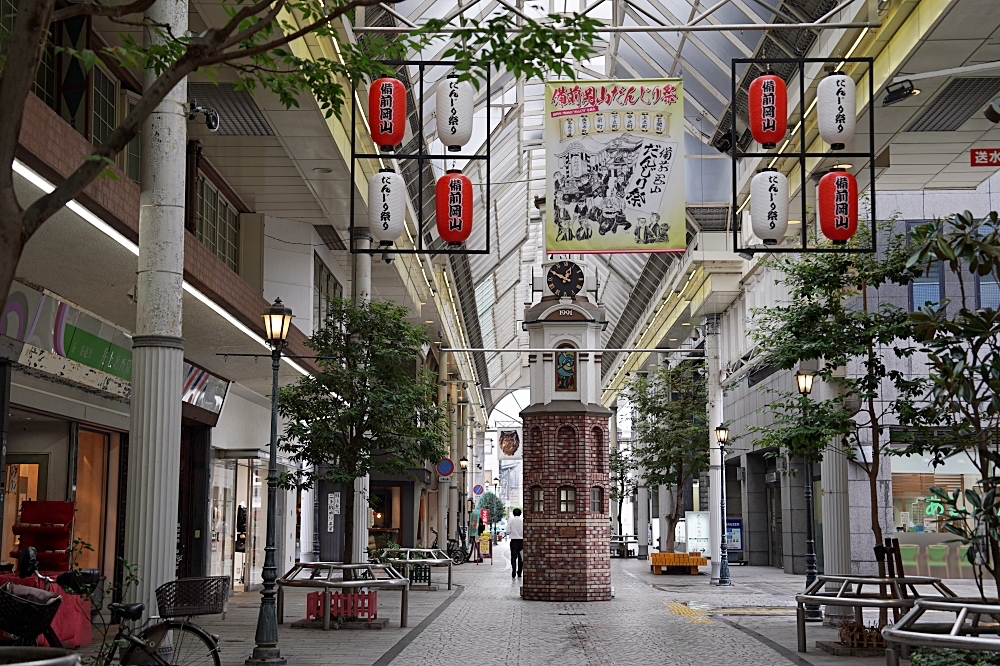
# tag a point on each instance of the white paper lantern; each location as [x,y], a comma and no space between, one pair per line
[835,109]
[769,206]
[386,206]
[454,113]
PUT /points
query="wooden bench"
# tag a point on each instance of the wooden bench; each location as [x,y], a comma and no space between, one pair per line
[689,562]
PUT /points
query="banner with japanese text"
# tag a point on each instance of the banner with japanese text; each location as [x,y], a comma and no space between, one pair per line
[614,153]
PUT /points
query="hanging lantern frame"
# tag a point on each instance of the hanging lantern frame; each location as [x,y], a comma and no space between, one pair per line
[801,155]
[422,156]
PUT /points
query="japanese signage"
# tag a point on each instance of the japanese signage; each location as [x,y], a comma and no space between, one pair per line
[615,167]
[734,534]
[841,199]
[985,157]
[385,111]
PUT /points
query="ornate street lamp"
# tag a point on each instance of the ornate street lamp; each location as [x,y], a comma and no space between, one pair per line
[722,436]
[277,320]
[804,382]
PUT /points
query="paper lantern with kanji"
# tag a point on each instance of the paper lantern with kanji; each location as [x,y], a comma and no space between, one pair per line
[387,112]
[768,107]
[769,206]
[835,105]
[454,112]
[386,206]
[837,205]
[453,201]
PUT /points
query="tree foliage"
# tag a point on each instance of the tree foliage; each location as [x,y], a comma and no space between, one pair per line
[671,430]
[958,412]
[368,409]
[829,318]
[494,505]
[257,40]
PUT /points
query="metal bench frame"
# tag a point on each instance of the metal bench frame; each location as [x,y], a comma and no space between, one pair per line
[429,557]
[321,576]
[906,633]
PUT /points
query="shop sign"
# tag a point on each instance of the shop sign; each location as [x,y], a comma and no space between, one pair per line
[734,534]
[332,510]
[984,157]
[698,537]
[484,516]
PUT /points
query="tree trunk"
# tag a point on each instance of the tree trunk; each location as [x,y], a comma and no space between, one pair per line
[621,503]
[670,518]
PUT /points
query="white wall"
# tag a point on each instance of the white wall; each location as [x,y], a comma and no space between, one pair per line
[288,266]
[50,438]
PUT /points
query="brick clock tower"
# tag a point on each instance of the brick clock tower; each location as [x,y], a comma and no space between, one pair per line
[566,525]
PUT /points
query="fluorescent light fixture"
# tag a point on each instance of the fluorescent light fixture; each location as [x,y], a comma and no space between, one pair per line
[47,187]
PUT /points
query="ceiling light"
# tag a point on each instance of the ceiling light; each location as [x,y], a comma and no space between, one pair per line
[992,112]
[323,170]
[687,323]
[897,92]
[672,339]
[428,321]
[844,166]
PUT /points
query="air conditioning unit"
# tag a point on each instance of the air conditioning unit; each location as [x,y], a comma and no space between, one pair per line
[771,477]
[741,474]
[781,465]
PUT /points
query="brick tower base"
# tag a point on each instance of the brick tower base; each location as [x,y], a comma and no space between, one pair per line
[566,526]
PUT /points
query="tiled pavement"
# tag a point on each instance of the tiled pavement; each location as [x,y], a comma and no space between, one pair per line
[676,620]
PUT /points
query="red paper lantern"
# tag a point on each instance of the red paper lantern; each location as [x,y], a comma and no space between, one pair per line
[453,200]
[768,106]
[837,204]
[387,112]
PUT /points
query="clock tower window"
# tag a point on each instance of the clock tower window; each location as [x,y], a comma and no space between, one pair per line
[565,368]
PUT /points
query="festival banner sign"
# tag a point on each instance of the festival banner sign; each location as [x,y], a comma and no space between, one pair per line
[614,153]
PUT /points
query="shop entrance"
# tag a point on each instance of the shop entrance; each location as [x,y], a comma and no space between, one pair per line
[774,550]
[239,516]
[26,479]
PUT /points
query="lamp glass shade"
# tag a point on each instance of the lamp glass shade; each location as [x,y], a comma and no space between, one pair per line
[453,207]
[386,206]
[768,106]
[835,109]
[722,434]
[464,463]
[804,382]
[277,320]
[453,108]
[837,205]
[387,112]
[769,206]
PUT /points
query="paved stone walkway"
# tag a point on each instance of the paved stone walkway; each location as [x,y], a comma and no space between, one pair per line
[680,620]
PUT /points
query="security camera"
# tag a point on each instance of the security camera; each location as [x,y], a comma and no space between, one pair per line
[388,256]
[992,112]
[211,116]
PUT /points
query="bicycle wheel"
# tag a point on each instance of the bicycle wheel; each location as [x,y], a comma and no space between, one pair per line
[173,644]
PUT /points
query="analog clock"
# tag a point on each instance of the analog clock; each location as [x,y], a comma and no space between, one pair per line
[565,279]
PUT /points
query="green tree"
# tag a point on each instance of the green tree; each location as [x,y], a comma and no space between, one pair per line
[671,432]
[368,409]
[959,411]
[621,465]
[833,316]
[496,507]
[255,44]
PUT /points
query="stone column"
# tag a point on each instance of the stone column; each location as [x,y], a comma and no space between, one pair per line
[362,295]
[642,514]
[157,346]
[836,510]
[453,481]
[715,418]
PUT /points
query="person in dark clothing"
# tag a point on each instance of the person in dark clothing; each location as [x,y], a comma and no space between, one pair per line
[515,532]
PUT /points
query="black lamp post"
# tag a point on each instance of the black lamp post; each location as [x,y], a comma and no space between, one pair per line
[493,513]
[277,320]
[804,382]
[464,465]
[722,435]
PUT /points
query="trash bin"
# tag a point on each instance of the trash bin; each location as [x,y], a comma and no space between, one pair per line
[38,656]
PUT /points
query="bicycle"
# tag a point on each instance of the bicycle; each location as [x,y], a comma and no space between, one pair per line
[455,550]
[171,639]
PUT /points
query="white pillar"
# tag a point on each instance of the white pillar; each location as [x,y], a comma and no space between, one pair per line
[362,295]
[157,347]
[444,488]
[453,481]
[714,415]
[642,515]
[836,511]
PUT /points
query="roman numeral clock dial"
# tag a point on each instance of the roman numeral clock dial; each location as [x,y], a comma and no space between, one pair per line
[565,279]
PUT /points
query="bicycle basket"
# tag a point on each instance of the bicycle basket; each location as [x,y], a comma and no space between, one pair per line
[193,596]
[26,612]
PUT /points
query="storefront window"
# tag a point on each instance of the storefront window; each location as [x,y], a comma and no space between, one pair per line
[223,517]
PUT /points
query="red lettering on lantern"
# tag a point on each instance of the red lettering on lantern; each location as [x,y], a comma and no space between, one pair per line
[453,204]
[768,106]
[837,205]
[387,112]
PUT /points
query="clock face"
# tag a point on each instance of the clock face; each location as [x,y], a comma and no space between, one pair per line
[565,279]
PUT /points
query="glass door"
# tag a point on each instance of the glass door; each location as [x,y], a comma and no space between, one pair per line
[25,478]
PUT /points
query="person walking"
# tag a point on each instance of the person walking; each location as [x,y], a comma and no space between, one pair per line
[515,532]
